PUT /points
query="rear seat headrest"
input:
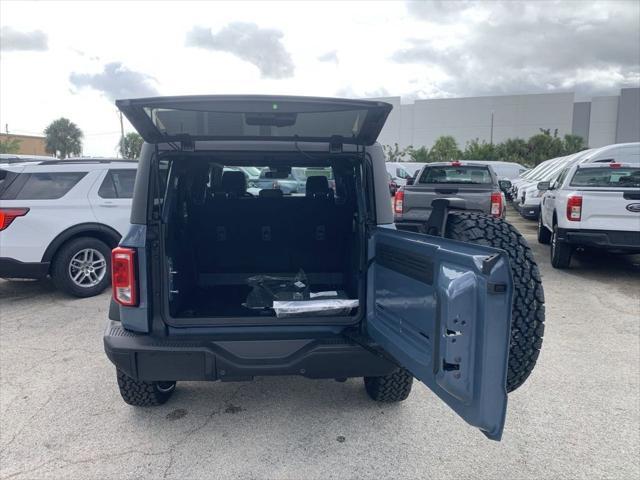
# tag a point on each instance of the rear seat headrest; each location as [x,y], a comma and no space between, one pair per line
[318,187]
[270,193]
[234,182]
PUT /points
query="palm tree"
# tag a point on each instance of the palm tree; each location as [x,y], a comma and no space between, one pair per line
[63,138]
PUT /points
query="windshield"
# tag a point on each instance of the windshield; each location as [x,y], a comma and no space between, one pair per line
[607,177]
[453,174]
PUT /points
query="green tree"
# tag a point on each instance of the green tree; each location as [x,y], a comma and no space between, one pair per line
[573,144]
[419,154]
[395,153]
[513,150]
[63,138]
[130,145]
[477,150]
[544,146]
[445,149]
[10,145]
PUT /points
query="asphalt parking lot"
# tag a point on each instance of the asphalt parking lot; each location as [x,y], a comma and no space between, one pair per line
[578,416]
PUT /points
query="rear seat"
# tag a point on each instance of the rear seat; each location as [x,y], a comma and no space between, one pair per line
[272,234]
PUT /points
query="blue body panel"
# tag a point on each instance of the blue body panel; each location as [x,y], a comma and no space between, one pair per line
[431,306]
[137,318]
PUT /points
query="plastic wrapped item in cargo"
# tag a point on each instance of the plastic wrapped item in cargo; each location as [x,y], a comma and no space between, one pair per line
[312,308]
[265,289]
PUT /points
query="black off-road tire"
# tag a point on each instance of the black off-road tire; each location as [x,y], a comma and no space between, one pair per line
[544,235]
[527,319]
[60,267]
[560,251]
[144,394]
[394,387]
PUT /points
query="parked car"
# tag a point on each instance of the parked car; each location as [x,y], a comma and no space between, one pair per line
[594,205]
[393,186]
[61,218]
[329,288]
[476,184]
[401,171]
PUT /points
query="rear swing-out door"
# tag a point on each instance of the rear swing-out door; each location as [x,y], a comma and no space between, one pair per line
[442,310]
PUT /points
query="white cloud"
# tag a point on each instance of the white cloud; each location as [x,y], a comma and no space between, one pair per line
[12,40]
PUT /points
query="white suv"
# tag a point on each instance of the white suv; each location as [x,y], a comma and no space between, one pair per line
[62,218]
[593,205]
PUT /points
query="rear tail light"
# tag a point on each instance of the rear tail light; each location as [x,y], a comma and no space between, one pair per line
[8,215]
[398,202]
[496,204]
[574,208]
[123,276]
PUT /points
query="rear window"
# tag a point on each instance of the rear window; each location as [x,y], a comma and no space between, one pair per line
[606,177]
[48,186]
[118,184]
[456,174]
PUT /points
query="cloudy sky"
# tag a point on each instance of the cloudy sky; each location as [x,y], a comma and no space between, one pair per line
[73,59]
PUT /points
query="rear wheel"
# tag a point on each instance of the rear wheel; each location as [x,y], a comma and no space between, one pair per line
[527,319]
[560,251]
[394,387]
[144,394]
[82,267]
[544,235]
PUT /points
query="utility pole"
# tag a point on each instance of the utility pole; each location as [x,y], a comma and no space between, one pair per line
[121,136]
[6,128]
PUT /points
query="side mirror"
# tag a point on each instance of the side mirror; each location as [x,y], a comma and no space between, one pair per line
[410,180]
[542,186]
[504,185]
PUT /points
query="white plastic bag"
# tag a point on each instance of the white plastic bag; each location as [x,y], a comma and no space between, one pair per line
[310,308]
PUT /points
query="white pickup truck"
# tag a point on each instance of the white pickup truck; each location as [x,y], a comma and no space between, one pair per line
[594,205]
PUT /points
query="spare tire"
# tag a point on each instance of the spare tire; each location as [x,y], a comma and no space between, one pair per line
[527,320]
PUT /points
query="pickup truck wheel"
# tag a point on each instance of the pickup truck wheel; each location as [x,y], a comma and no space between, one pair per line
[144,394]
[82,267]
[394,387]
[527,319]
[560,251]
[544,235]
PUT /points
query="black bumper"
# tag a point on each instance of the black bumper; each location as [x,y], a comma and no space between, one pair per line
[609,240]
[11,268]
[528,212]
[143,357]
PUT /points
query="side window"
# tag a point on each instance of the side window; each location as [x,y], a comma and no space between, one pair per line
[118,184]
[48,186]
[560,180]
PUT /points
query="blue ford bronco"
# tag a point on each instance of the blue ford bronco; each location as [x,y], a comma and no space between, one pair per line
[219,280]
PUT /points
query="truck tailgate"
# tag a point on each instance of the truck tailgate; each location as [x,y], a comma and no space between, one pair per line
[418,198]
[604,209]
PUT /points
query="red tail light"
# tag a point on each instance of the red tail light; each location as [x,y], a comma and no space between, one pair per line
[123,276]
[455,164]
[398,202]
[8,215]
[496,204]
[615,165]
[574,208]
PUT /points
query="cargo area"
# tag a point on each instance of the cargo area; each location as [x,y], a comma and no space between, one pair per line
[233,248]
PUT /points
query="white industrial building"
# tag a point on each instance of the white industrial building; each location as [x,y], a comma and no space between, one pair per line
[602,121]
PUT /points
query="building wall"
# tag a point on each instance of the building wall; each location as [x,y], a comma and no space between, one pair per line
[628,126]
[29,145]
[581,116]
[603,121]
[466,119]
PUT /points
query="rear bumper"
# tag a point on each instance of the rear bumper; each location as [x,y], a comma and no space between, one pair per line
[530,212]
[607,239]
[12,268]
[143,357]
